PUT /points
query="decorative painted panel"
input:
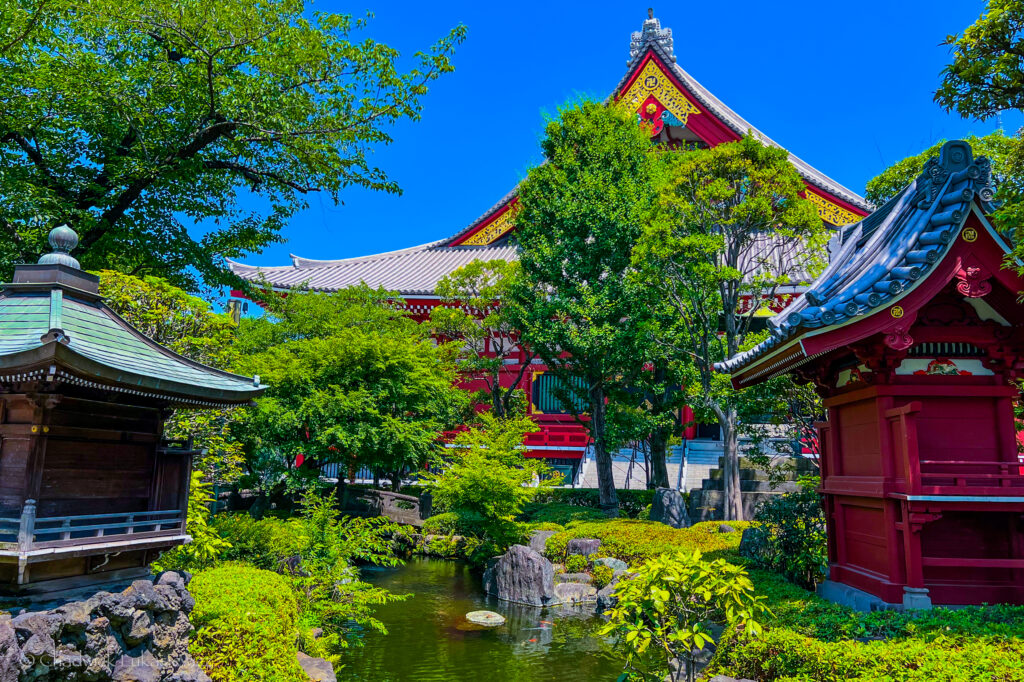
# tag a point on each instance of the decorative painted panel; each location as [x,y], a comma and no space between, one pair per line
[493,230]
[653,81]
[830,213]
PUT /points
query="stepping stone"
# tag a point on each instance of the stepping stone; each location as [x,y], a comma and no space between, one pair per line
[486,618]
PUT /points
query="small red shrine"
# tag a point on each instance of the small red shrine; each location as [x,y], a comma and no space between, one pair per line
[915,340]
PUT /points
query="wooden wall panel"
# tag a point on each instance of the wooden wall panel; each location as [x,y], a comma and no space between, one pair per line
[865,540]
[859,447]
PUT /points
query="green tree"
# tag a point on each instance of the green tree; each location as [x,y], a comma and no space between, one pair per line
[581,213]
[352,380]
[664,610]
[186,325]
[985,77]
[474,317]
[484,478]
[137,122]
[732,230]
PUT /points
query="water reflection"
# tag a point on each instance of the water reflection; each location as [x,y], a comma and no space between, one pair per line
[430,638]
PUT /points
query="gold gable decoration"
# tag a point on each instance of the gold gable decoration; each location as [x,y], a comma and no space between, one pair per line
[830,213]
[493,230]
[653,81]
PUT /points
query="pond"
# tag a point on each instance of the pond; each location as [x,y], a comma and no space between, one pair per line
[429,639]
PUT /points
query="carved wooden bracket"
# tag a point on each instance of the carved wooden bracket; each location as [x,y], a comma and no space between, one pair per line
[973,279]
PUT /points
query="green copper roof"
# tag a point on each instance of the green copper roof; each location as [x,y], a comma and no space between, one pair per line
[92,344]
[54,324]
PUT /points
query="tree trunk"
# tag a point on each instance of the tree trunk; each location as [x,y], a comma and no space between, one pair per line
[497,398]
[396,481]
[608,499]
[659,468]
[733,503]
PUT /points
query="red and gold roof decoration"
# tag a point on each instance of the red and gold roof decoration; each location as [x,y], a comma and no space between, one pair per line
[653,91]
[830,212]
[493,228]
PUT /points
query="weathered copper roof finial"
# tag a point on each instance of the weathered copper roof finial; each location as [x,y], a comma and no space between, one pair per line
[650,12]
[652,33]
[62,239]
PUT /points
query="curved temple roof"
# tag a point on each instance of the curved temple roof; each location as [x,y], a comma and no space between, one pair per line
[54,324]
[416,270]
[884,256]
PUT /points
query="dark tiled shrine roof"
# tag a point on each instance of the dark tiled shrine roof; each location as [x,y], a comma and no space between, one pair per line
[53,323]
[884,255]
[412,271]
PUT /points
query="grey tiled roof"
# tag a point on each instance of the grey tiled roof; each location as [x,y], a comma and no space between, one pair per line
[413,271]
[98,346]
[885,255]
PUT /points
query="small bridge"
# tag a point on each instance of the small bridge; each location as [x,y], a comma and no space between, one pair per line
[407,509]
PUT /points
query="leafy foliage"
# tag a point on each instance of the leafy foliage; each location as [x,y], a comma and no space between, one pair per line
[789,535]
[732,229]
[631,502]
[601,575]
[486,476]
[331,596]
[580,216]
[263,543]
[134,122]
[245,621]
[636,541]
[575,563]
[207,545]
[665,607]
[475,319]
[186,325]
[352,380]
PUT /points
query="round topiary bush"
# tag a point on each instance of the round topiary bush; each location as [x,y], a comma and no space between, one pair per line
[245,621]
[575,563]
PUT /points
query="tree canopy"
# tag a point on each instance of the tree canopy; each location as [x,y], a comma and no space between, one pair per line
[142,124]
[732,228]
[580,216]
[351,381]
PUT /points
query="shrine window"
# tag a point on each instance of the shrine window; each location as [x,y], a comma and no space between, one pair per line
[552,395]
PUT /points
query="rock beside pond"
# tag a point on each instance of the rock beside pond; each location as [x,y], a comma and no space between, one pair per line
[669,507]
[584,546]
[487,618]
[521,575]
[576,593]
[318,669]
[572,578]
[726,528]
[747,542]
[605,598]
[611,562]
[539,540]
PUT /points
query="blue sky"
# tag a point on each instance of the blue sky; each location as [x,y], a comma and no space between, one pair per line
[845,85]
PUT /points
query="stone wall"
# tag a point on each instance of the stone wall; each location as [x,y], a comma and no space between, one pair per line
[138,635]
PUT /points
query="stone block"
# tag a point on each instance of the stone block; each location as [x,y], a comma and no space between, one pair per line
[539,540]
[318,669]
[669,507]
[583,546]
[523,576]
[611,562]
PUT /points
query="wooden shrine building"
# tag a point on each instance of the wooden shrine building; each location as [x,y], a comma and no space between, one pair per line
[89,490]
[915,339]
[681,112]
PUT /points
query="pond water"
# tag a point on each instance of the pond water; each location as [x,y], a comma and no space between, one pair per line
[429,638]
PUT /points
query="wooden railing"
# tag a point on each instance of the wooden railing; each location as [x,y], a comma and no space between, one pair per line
[29,532]
[948,477]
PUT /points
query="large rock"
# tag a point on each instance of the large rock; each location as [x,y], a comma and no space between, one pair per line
[318,669]
[575,593]
[605,598]
[572,578]
[523,576]
[583,546]
[539,540]
[669,507]
[138,635]
[611,562]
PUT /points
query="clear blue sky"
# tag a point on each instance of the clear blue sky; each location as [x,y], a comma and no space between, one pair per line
[845,85]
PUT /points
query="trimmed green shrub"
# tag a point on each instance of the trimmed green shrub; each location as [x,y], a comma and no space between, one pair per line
[636,541]
[560,513]
[789,536]
[454,523]
[601,575]
[245,621]
[262,543]
[547,525]
[576,563]
[631,502]
[785,655]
